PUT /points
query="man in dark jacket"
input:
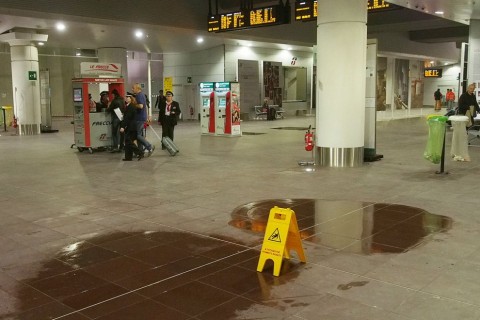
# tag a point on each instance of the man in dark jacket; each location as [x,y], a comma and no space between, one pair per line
[467,103]
[167,116]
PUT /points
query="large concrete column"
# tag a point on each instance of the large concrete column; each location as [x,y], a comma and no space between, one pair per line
[474,52]
[25,80]
[341,72]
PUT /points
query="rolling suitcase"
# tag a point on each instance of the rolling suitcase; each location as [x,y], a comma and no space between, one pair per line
[170,146]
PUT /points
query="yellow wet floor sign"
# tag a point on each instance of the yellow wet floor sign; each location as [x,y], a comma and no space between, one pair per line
[281,236]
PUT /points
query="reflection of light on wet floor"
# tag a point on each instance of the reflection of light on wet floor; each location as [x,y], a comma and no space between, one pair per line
[152,272]
[360,226]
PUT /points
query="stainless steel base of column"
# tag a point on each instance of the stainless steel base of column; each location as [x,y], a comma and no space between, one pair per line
[340,157]
[29,129]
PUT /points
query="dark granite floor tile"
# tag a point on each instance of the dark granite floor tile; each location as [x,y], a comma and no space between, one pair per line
[153,275]
[112,305]
[235,280]
[194,298]
[197,244]
[126,245]
[48,311]
[86,257]
[93,296]
[185,270]
[224,251]
[160,255]
[67,284]
[147,309]
[241,308]
[117,268]
[109,237]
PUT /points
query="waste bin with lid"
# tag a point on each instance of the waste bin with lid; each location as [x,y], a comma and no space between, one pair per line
[436,136]
[459,151]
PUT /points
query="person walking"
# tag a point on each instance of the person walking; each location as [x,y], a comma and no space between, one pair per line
[129,127]
[141,118]
[116,110]
[450,98]
[168,115]
[438,100]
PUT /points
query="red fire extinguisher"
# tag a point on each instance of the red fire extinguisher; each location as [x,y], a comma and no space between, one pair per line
[309,139]
[15,124]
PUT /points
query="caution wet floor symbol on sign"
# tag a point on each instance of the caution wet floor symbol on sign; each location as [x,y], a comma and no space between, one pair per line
[281,236]
[275,236]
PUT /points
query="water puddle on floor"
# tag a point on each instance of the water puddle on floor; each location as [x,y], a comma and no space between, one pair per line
[123,272]
[361,227]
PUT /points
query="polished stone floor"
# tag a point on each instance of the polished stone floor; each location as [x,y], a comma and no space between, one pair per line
[87,236]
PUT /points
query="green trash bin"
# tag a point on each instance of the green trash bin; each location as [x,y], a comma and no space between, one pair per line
[436,135]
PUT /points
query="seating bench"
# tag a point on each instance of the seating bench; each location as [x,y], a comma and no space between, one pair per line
[259,112]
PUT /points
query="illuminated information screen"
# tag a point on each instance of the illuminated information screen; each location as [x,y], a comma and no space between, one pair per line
[432,73]
[257,17]
[307,10]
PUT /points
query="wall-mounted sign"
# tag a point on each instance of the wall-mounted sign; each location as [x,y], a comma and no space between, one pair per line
[32,75]
[243,19]
[307,10]
[100,69]
[432,73]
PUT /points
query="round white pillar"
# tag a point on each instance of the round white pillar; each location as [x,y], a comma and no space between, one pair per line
[26,92]
[341,76]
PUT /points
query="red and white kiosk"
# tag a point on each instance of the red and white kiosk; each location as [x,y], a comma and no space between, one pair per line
[227,109]
[93,130]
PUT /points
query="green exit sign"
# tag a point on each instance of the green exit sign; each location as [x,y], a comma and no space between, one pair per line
[32,75]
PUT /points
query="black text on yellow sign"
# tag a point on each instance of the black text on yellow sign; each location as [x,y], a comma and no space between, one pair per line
[281,236]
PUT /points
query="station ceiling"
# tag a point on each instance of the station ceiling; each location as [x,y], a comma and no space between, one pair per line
[174,26]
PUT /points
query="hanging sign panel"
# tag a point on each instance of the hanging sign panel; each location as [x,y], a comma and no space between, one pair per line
[251,18]
[306,10]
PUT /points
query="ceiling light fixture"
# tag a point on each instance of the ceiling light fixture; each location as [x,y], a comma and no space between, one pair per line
[60,26]
[199,40]
[139,34]
[41,43]
[439,12]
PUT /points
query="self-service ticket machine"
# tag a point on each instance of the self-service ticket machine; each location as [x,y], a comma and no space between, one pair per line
[92,129]
[207,100]
[227,111]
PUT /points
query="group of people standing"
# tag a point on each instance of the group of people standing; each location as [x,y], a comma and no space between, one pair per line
[449,99]
[129,117]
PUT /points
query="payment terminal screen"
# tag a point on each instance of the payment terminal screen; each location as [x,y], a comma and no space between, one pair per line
[206,102]
[222,102]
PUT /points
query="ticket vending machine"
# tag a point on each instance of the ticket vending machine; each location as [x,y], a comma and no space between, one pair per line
[227,112]
[92,130]
[207,100]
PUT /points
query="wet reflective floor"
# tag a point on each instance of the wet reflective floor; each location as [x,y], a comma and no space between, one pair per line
[88,236]
[166,273]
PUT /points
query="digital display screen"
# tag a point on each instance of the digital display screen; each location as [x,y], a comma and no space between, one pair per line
[307,10]
[257,17]
[432,73]
[77,95]
[222,102]
[206,102]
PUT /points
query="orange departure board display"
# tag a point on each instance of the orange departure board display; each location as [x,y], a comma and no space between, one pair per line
[257,17]
[307,10]
[432,73]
